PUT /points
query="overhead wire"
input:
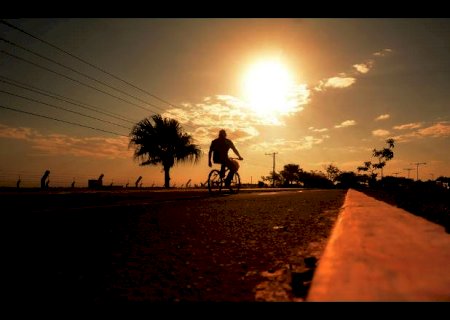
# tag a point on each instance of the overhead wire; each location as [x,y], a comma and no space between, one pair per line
[64,121]
[63,98]
[75,80]
[72,79]
[61,108]
[95,67]
[80,73]
[84,61]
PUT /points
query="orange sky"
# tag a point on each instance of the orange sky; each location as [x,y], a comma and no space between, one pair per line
[353,83]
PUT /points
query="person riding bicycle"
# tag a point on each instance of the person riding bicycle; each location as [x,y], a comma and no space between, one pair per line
[219,150]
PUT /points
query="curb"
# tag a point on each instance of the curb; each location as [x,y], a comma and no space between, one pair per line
[377,252]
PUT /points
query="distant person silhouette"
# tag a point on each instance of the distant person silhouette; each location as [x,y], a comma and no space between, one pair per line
[219,151]
[137,181]
[100,180]
[44,182]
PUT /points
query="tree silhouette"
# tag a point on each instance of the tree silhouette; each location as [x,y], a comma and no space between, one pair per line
[332,172]
[162,142]
[383,155]
[290,173]
[314,179]
[274,178]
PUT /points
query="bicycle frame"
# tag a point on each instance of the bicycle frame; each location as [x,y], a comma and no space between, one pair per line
[216,182]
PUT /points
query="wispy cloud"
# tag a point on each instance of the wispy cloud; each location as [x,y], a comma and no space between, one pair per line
[317,130]
[346,123]
[284,145]
[364,67]
[215,113]
[335,82]
[380,133]
[92,147]
[382,117]
[348,149]
[408,126]
[59,144]
[241,121]
[441,129]
[20,133]
[344,80]
[383,52]
[438,130]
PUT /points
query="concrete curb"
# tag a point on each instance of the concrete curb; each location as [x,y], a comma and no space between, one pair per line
[378,252]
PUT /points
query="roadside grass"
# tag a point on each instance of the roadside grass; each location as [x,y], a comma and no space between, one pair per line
[424,199]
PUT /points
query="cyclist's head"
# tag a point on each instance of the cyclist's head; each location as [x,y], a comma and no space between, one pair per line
[222,134]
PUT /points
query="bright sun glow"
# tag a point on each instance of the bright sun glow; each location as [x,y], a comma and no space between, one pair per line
[268,89]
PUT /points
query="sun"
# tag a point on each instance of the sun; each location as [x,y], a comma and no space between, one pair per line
[268,87]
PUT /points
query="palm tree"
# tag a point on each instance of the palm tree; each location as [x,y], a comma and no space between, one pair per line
[162,142]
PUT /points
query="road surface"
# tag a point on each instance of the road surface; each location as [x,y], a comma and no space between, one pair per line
[165,246]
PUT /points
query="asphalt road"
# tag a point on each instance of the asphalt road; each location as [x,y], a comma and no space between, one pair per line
[162,246]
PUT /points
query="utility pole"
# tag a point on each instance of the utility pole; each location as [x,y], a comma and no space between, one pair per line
[417,164]
[408,169]
[273,170]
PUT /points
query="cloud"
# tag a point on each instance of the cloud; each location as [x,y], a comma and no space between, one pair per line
[380,133]
[237,117]
[20,133]
[382,117]
[343,80]
[335,82]
[441,129]
[283,145]
[318,130]
[438,130]
[364,67]
[346,123]
[215,113]
[408,126]
[60,144]
[382,53]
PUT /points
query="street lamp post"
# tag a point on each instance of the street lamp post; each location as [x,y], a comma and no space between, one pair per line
[417,164]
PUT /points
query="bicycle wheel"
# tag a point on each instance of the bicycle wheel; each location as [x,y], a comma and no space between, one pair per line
[215,183]
[236,182]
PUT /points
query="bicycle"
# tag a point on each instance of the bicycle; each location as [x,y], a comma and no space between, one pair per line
[216,183]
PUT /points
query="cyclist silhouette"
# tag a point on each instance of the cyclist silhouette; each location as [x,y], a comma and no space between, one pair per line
[219,150]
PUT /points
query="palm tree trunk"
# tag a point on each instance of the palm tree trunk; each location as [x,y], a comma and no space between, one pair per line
[166,177]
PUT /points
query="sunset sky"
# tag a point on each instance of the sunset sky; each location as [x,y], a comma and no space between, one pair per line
[315,91]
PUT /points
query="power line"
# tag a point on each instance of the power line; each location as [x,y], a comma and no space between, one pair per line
[57,97]
[64,109]
[56,119]
[88,63]
[84,61]
[80,73]
[75,80]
